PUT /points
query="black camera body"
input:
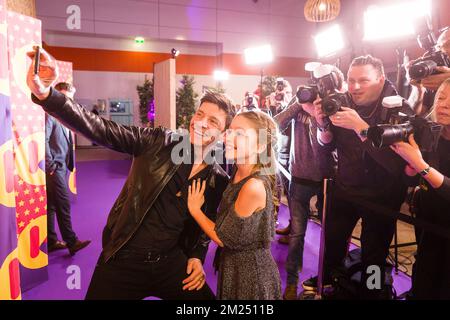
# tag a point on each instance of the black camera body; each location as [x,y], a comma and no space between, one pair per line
[398,127]
[426,66]
[325,85]
[334,102]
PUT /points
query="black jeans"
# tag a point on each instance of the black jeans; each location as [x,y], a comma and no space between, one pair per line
[127,277]
[376,236]
[58,204]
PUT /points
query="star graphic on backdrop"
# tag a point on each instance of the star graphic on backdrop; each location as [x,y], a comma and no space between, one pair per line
[21,224]
[21,203]
[26,192]
[37,210]
[27,212]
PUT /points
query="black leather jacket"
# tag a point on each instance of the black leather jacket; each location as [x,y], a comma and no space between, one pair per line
[151,170]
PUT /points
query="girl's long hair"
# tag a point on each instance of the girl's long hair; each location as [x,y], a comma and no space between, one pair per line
[267,131]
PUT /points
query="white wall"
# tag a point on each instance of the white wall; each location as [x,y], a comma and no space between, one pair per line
[237,24]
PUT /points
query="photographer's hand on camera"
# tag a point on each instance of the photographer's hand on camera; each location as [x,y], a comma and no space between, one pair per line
[349,119]
[410,152]
[41,83]
[324,134]
[434,81]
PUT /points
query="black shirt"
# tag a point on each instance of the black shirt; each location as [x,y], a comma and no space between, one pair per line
[362,166]
[163,224]
[435,203]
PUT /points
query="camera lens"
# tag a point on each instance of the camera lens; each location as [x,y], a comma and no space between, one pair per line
[422,69]
[385,135]
[306,95]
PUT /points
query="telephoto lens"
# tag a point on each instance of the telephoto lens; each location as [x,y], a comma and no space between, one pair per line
[306,94]
[422,69]
[384,135]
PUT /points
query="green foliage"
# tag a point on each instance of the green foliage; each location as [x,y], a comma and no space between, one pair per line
[269,85]
[146,96]
[186,99]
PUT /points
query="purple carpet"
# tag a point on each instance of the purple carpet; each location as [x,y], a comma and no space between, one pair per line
[99,183]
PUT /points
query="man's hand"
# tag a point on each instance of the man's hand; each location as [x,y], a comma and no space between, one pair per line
[40,83]
[318,113]
[197,276]
[349,119]
[434,81]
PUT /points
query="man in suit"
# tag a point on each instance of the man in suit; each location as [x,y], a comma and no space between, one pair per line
[59,157]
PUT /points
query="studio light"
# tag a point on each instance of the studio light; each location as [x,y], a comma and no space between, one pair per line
[258,55]
[394,21]
[329,41]
[221,75]
[175,53]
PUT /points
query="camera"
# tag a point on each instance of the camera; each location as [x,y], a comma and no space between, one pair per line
[432,59]
[325,84]
[279,96]
[399,126]
[307,94]
[250,102]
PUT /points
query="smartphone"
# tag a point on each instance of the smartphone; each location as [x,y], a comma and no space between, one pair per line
[37,58]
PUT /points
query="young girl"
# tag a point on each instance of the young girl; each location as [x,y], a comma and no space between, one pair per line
[245,222]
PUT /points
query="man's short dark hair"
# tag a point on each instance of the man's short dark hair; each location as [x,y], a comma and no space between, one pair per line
[222,101]
[369,60]
[64,86]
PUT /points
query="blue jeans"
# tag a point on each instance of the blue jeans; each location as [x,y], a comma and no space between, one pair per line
[300,196]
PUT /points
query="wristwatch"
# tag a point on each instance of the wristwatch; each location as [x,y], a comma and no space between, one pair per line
[425,171]
[363,133]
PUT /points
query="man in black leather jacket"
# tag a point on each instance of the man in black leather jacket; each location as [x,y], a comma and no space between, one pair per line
[151,245]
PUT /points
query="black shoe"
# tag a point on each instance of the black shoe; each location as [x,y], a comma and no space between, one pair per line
[58,245]
[285,231]
[311,284]
[78,246]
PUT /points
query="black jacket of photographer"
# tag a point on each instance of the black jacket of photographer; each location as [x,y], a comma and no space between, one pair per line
[363,169]
[432,280]
[151,170]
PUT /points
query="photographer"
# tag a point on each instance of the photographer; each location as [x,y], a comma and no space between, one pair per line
[423,90]
[364,172]
[280,98]
[309,164]
[431,280]
[250,103]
